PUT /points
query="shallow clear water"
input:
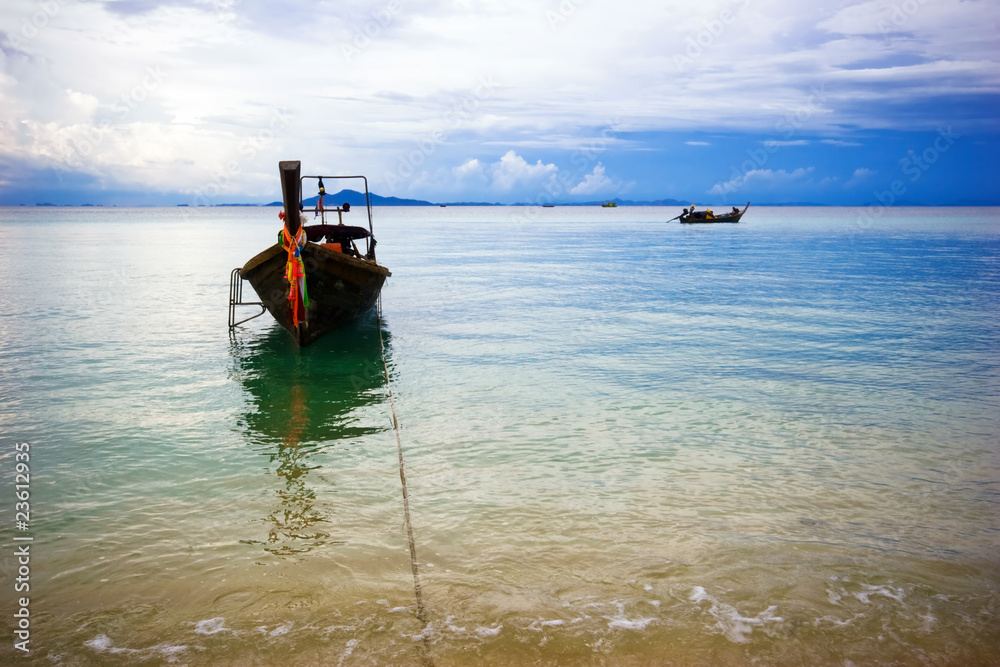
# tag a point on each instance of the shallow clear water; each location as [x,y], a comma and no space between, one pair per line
[626,442]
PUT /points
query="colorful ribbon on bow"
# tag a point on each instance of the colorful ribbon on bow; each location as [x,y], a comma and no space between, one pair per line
[295,272]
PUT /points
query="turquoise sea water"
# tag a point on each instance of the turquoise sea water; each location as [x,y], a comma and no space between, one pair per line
[625,442]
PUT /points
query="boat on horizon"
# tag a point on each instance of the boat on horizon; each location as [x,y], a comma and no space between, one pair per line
[314,279]
[609,204]
[691,216]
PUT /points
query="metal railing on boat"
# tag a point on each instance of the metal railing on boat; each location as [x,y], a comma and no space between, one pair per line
[236,299]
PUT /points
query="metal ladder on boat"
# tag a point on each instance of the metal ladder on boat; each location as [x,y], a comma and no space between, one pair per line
[236,299]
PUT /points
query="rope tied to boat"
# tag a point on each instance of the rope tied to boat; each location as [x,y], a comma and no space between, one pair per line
[417,590]
[295,272]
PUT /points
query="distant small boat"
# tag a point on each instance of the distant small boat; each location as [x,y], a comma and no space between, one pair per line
[609,204]
[443,205]
[708,216]
[333,282]
[548,205]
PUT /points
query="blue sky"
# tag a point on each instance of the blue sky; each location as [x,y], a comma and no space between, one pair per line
[195,101]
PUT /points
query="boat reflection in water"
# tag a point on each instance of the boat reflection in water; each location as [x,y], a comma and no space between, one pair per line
[302,403]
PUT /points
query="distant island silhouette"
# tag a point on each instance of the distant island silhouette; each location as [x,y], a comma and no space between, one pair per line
[355,198]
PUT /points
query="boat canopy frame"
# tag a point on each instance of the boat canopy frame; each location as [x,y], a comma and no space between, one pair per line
[370,241]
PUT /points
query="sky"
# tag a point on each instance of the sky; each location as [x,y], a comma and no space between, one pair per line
[164,102]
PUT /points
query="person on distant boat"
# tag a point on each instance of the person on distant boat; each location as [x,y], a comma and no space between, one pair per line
[736,210]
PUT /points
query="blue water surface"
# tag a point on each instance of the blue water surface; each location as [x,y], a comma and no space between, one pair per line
[623,438]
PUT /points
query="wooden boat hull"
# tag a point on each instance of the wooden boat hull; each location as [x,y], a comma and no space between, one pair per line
[729,217]
[341,288]
[725,218]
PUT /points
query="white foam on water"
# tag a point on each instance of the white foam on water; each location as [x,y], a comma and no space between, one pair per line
[488,632]
[929,622]
[896,594]
[281,630]
[540,623]
[103,644]
[836,621]
[348,650]
[427,634]
[629,624]
[169,651]
[211,626]
[334,628]
[736,627]
[622,622]
[338,629]
[451,627]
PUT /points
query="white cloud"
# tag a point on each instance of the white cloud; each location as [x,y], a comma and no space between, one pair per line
[762,179]
[773,143]
[593,183]
[860,175]
[419,70]
[697,143]
[86,103]
[839,142]
[470,170]
[513,170]
[582,142]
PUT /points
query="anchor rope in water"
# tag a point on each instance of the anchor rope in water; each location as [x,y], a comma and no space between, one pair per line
[417,591]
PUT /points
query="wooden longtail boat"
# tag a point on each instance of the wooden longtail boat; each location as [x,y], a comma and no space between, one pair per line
[706,216]
[340,282]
